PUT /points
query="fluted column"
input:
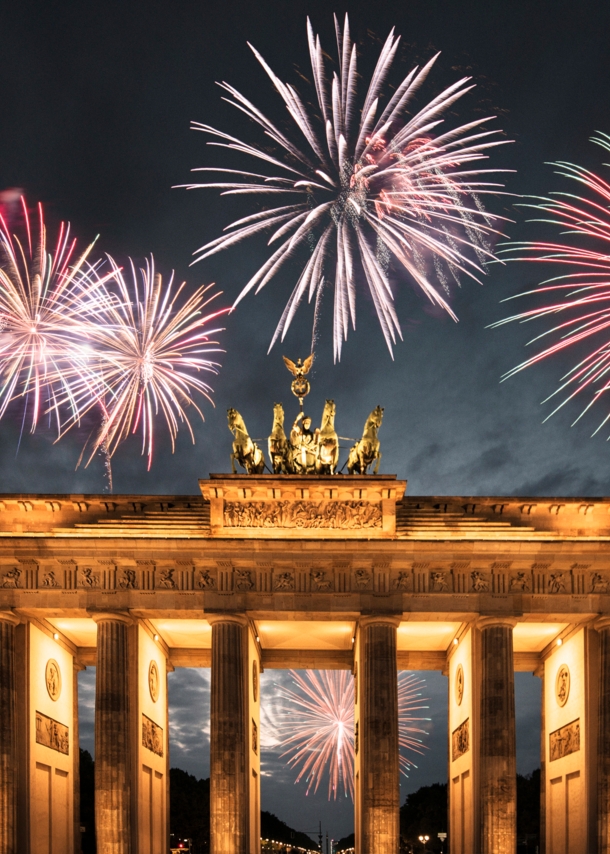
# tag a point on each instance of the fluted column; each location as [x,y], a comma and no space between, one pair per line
[8,735]
[498,749]
[603,743]
[379,793]
[112,736]
[229,801]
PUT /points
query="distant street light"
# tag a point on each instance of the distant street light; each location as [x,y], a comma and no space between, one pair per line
[424,839]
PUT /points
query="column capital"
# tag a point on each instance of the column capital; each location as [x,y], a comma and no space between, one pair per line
[116,616]
[10,617]
[602,622]
[240,619]
[500,621]
[393,620]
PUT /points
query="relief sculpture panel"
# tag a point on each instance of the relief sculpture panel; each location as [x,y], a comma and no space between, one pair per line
[52,734]
[460,740]
[565,740]
[302,514]
[152,736]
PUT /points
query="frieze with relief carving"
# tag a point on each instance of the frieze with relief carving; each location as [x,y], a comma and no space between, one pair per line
[460,740]
[152,736]
[565,740]
[52,734]
[302,514]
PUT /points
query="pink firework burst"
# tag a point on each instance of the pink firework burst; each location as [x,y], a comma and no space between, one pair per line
[46,294]
[316,727]
[361,184]
[151,346]
[576,300]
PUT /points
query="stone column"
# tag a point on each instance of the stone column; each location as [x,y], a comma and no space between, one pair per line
[497,748]
[8,735]
[112,735]
[603,743]
[229,791]
[378,792]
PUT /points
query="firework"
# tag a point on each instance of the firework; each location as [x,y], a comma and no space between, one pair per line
[372,185]
[149,343]
[576,301]
[45,298]
[316,727]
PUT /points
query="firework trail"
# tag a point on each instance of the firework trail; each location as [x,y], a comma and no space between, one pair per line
[45,299]
[148,345]
[575,301]
[315,726]
[367,184]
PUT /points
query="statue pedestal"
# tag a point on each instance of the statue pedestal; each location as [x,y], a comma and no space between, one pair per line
[303,507]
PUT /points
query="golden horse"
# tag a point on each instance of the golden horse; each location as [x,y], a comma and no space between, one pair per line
[328,442]
[365,452]
[278,443]
[245,451]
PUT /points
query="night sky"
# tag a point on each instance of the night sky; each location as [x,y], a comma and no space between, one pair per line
[96,102]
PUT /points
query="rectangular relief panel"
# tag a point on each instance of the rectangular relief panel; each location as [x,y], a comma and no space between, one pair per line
[263,506]
[564,741]
[52,734]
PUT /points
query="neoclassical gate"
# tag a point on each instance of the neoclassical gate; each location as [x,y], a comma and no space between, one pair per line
[268,572]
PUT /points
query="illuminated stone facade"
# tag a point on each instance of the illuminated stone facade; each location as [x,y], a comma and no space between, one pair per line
[309,572]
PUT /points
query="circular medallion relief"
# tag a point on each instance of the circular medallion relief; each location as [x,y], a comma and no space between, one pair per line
[52,677]
[459,684]
[255,681]
[153,681]
[562,685]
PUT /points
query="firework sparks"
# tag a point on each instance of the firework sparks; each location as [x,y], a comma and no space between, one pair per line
[579,306]
[45,298]
[148,345]
[372,185]
[315,725]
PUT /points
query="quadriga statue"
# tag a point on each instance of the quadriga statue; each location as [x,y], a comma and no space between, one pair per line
[245,451]
[365,452]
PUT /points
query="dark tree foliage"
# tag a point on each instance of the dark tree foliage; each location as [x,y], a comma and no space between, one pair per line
[346,842]
[87,802]
[424,813]
[274,828]
[189,809]
[528,812]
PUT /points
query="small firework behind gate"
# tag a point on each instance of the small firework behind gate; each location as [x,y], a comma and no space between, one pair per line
[315,726]
[575,301]
[372,184]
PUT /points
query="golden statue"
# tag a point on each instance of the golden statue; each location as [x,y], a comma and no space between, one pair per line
[365,452]
[304,446]
[279,449]
[245,451]
[300,386]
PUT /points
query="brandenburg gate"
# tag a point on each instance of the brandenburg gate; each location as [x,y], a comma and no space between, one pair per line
[290,571]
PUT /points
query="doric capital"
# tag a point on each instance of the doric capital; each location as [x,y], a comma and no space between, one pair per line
[601,623]
[493,622]
[115,616]
[392,620]
[10,617]
[240,619]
